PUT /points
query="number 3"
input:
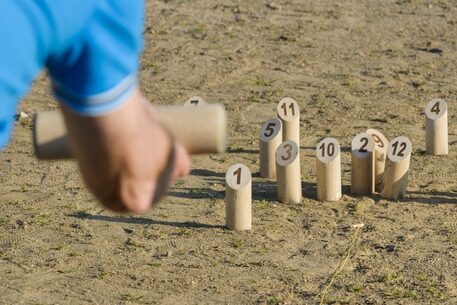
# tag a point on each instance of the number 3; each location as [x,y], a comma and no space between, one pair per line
[288,149]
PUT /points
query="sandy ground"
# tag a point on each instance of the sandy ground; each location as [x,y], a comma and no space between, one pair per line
[350,65]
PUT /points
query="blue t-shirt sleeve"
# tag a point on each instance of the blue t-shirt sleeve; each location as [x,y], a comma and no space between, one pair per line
[90,47]
[97,71]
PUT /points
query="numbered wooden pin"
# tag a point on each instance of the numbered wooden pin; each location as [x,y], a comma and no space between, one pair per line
[380,155]
[289,113]
[328,169]
[269,139]
[362,165]
[396,173]
[288,172]
[194,101]
[238,198]
[436,133]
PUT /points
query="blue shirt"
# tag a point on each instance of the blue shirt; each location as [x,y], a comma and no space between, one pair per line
[91,49]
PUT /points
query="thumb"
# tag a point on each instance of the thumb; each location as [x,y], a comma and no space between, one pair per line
[137,195]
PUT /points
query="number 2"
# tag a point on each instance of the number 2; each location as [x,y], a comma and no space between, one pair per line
[365,143]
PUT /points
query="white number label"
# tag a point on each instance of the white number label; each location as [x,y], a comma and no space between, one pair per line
[435,109]
[270,129]
[362,145]
[194,101]
[399,149]
[286,153]
[288,109]
[238,176]
[327,149]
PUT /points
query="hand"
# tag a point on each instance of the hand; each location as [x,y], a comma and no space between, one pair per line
[126,157]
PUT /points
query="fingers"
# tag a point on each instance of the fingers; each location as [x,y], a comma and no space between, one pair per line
[182,162]
[178,165]
[137,196]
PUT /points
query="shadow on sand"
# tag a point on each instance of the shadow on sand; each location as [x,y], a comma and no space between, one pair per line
[431,197]
[143,221]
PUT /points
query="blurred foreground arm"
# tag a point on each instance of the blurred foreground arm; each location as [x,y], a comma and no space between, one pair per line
[125,157]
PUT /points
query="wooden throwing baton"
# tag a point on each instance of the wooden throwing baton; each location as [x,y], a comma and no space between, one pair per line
[199,129]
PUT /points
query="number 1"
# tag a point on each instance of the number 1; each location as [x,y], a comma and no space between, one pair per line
[237,173]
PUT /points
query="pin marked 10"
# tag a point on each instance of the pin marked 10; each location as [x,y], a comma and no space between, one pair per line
[328,170]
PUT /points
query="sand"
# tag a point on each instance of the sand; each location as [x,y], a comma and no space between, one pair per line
[350,65]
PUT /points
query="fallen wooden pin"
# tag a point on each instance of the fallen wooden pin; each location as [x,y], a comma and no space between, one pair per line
[199,129]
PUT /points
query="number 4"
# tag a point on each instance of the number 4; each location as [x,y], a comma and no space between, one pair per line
[436,108]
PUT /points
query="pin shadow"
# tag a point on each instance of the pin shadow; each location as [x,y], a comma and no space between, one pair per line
[242,150]
[206,173]
[431,197]
[342,149]
[196,193]
[143,221]
[264,190]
